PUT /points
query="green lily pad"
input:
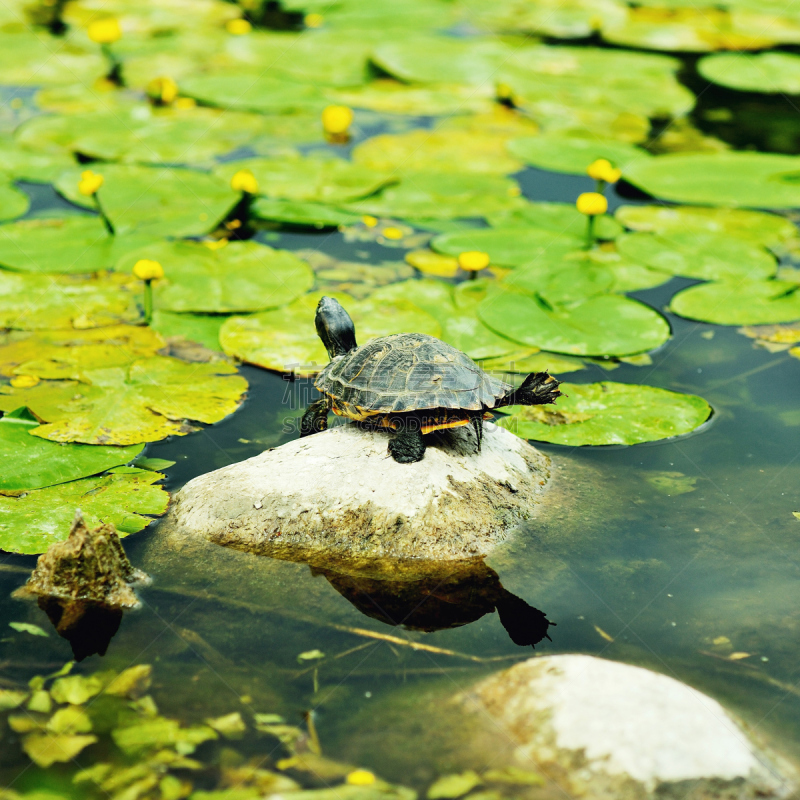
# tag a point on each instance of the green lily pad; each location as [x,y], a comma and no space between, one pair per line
[557,217]
[768,230]
[202,328]
[157,733]
[321,180]
[143,135]
[37,59]
[75,244]
[530,359]
[433,196]
[66,301]
[286,340]
[748,180]
[508,247]
[157,201]
[33,463]
[460,326]
[311,215]
[707,256]
[561,282]
[573,154]
[605,325]
[740,302]
[609,413]
[142,401]
[253,90]
[242,276]
[20,163]
[46,749]
[13,202]
[768,73]
[434,151]
[32,522]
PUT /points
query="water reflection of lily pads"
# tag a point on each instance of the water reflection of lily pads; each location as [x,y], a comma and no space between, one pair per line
[605,325]
[769,73]
[157,201]
[285,339]
[30,462]
[293,212]
[242,276]
[445,195]
[321,180]
[32,522]
[65,301]
[749,180]
[741,302]
[707,256]
[558,217]
[573,154]
[508,247]
[144,401]
[433,151]
[609,413]
[768,230]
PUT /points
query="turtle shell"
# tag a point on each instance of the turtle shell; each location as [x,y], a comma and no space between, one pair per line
[407,372]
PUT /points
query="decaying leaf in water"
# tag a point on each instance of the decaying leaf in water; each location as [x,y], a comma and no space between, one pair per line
[670,483]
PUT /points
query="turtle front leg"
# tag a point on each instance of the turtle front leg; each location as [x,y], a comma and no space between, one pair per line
[316,418]
[408,445]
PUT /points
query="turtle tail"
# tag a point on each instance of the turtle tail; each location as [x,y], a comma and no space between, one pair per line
[537,389]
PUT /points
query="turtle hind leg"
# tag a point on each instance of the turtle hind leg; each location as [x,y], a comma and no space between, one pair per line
[408,445]
[477,426]
[316,418]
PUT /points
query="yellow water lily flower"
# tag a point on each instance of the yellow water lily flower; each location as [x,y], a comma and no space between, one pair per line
[473,260]
[592,204]
[369,220]
[147,270]
[603,170]
[392,233]
[336,120]
[244,181]
[313,20]
[360,777]
[24,381]
[104,31]
[89,183]
[238,27]
[162,90]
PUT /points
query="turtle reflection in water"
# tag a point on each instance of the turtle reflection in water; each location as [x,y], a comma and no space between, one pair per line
[410,383]
[466,594]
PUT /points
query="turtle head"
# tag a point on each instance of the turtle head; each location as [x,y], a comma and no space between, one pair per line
[335,327]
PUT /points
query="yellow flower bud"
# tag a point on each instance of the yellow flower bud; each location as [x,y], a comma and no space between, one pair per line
[89,183]
[162,90]
[238,27]
[185,102]
[369,220]
[473,260]
[24,381]
[336,120]
[591,204]
[104,31]
[392,233]
[244,181]
[602,170]
[313,20]
[360,777]
[146,270]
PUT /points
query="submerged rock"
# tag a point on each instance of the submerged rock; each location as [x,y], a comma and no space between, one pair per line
[600,729]
[340,494]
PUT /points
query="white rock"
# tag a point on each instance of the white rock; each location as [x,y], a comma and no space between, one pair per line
[340,493]
[626,726]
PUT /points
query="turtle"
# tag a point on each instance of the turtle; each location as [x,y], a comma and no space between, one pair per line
[410,383]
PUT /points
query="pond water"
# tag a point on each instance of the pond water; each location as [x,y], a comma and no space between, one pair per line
[693,574]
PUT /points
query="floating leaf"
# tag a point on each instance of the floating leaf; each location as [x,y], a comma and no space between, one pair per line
[242,276]
[76,689]
[573,154]
[33,463]
[202,328]
[707,256]
[530,359]
[286,340]
[31,523]
[606,325]
[20,163]
[26,627]
[561,218]
[142,401]
[69,720]
[560,281]
[291,212]
[46,749]
[157,201]
[508,247]
[321,180]
[13,202]
[768,73]
[231,726]
[433,151]
[754,180]
[609,413]
[768,230]
[11,698]
[452,786]
[741,302]
[132,682]
[669,482]
[153,464]
[37,59]
[158,733]
[435,196]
